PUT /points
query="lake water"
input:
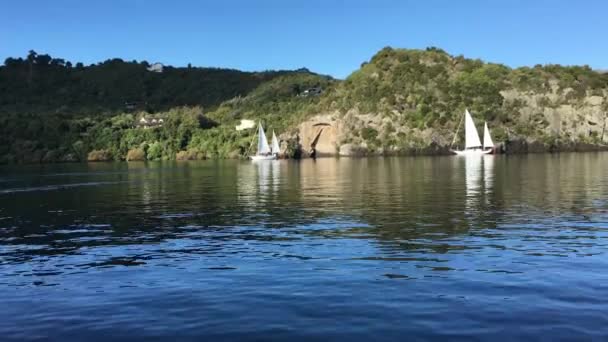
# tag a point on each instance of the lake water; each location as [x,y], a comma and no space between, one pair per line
[493,248]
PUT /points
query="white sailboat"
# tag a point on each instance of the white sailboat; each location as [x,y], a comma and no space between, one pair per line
[472,144]
[274,147]
[264,151]
[487,139]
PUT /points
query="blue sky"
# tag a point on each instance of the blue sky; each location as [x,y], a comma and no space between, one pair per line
[327,36]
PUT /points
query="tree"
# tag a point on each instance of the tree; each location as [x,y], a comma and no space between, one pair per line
[57,61]
[31,56]
[155,151]
[12,62]
[43,59]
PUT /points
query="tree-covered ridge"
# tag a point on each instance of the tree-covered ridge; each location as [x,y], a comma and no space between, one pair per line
[42,83]
[431,84]
[281,103]
[51,110]
[429,89]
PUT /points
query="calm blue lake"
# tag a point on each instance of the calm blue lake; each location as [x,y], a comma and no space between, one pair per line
[418,248]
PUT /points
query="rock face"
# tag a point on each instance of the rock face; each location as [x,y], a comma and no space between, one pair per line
[557,115]
[558,123]
[322,133]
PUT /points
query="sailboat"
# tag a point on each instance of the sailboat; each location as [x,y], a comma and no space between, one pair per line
[274,146]
[487,139]
[264,151]
[472,144]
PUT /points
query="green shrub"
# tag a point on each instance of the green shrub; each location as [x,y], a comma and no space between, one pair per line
[155,151]
[369,133]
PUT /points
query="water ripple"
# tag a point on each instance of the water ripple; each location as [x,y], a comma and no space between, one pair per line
[505,248]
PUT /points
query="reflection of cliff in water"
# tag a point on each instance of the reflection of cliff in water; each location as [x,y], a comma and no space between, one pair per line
[404,203]
[411,201]
[555,182]
[403,199]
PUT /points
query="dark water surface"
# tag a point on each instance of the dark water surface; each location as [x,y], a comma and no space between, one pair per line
[494,248]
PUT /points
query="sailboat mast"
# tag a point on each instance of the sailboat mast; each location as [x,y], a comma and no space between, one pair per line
[251,144]
[457,130]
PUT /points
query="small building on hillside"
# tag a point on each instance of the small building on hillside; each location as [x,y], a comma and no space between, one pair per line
[156,67]
[245,124]
[150,122]
[315,91]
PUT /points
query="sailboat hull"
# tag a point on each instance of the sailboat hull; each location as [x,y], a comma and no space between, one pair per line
[476,152]
[260,158]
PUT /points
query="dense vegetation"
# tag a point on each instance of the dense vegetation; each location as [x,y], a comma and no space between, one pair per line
[53,110]
[429,89]
[40,82]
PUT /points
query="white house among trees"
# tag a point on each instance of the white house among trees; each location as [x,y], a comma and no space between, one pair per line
[156,67]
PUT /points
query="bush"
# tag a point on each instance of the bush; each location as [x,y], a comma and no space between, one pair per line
[99,155]
[234,154]
[369,133]
[51,156]
[189,155]
[155,151]
[136,154]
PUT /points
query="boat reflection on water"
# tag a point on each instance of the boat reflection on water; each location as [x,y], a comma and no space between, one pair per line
[268,175]
[479,179]
[260,181]
[488,175]
[473,176]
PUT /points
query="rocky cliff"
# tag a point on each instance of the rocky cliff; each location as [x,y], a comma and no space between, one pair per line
[411,102]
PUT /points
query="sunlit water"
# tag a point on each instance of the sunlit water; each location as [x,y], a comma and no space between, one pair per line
[369,249]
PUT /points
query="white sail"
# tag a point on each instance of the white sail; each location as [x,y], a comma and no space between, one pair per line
[263,147]
[487,139]
[275,144]
[470,132]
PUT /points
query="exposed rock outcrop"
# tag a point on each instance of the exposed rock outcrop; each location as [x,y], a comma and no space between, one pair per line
[321,133]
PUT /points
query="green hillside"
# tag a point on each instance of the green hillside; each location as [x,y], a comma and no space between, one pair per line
[427,90]
[399,101]
[53,110]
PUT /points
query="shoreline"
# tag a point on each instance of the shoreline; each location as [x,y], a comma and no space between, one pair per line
[516,147]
